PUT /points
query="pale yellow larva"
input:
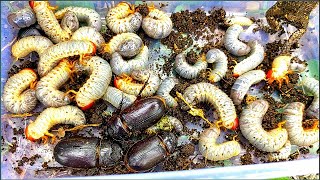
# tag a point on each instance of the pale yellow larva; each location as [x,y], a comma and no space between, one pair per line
[88,34]
[118,98]
[240,20]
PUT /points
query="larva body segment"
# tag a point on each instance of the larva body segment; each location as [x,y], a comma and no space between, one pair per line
[119,65]
[240,20]
[233,44]
[90,16]
[16,97]
[51,57]
[186,70]
[127,85]
[28,44]
[311,85]
[243,83]
[118,98]
[209,148]
[126,44]
[293,115]
[47,89]
[97,84]
[221,64]
[123,18]
[252,61]
[206,92]
[157,24]
[297,67]
[283,153]
[49,23]
[164,91]
[251,128]
[89,34]
[53,116]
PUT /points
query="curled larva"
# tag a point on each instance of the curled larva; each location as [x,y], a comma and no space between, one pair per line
[47,89]
[26,45]
[51,57]
[150,83]
[70,21]
[283,153]
[220,61]
[206,92]
[311,85]
[157,24]
[243,83]
[89,34]
[123,18]
[164,91]
[22,18]
[293,115]
[90,16]
[240,20]
[233,44]
[252,61]
[97,84]
[210,149]
[126,44]
[119,65]
[186,70]
[16,99]
[280,70]
[166,123]
[118,98]
[53,116]
[48,21]
[251,128]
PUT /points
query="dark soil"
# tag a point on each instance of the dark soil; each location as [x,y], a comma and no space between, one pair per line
[26,63]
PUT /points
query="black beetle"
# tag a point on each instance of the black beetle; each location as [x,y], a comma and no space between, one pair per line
[85,152]
[148,153]
[137,117]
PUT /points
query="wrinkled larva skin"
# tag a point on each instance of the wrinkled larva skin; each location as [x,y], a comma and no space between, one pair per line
[251,128]
[233,44]
[26,45]
[186,70]
[157,24]
[89,34]
[209,148]
[252,61]
[293,114]
[122,18]
[283,153]
[17,98]
[90,16]
[70,21]
[206,92]
[164,91]
[47,89]
[118,98]
[48,22]
[53,116]
[243,83]
[240,20]
[311,85]
[22,18]
[220,61]
[120,66]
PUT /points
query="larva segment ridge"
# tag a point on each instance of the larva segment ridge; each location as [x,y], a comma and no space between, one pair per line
[233,44]
[26,45]
[88,34]
[220,61]
[311,85]
[186,70]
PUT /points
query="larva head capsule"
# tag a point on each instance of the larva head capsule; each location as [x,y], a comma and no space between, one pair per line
[88,106]
[280,70]
[31,133]
[31,4]
[235,124]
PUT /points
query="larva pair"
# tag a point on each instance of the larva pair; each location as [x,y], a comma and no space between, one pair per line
[240,20]
[206,92]
[293,115]
[186,70]
[255,57]
[53,116]
[251,128]
[210,149]
[280,70]
[47,89]
[88,34]
[119,65]
[48,22]
[17,98]
[51,57]
[118,98]
[90,16]
[164,91]
[157,24]
[311,85]
[243,83]
[166,123]
[233,44]
[220,61]
[122,18]
[150,80]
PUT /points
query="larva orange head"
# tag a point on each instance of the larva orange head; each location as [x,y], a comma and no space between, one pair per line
[235,124]
[94,50]
[88,106]
[116,82]
[235,75]
[31,4]
[29,134]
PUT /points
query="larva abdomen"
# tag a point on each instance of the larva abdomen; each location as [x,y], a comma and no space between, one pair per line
[164,91]
[233,44]
[26,45]
[118,98]
[186,70]
[88,34]
[221,64]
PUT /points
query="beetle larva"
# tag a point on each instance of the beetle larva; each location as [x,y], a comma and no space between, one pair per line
[240,20]
[233,44]
[26,45]
[283,153]
[311,85]
[164,91]
[22,18]
[186,70]
[70,21]
[280,70]
[221,64]
[89,34]
[118,98]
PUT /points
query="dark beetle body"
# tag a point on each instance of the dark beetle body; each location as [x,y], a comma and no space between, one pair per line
[137,117]
[147,153]
[83,152]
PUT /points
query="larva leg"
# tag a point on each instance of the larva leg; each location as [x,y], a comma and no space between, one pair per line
[280,70]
